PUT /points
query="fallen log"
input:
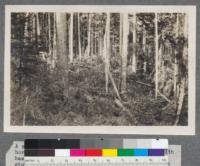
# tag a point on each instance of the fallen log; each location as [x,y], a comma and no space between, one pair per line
[180,100]
[119,104]
[143,83]
[164,97]
[114,85]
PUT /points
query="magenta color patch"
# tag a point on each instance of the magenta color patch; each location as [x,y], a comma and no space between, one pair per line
[77,152]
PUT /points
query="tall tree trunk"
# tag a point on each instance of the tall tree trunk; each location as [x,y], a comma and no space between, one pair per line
[161,65]
[183,76]
[62,49]
[175,60]
[101,41]
[37,31]
[144,48]
[46,32]
[71,39]
[107,50]
[156,58]
[49,23]
[134,60]
[91,40]
[79,38]
[38,24]
[120,34]
[26,32]
[144,40]
[35,35]
[54,55]
[33,28]
[88,50]
[124,52]
[120,43]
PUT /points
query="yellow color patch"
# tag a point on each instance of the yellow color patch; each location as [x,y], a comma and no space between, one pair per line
[109,152]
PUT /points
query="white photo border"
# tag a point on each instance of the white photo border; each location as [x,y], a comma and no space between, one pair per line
[146,130]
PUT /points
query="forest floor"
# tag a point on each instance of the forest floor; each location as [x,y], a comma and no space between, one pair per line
[89,104]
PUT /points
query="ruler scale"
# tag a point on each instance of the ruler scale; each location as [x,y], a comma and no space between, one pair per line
[97,161]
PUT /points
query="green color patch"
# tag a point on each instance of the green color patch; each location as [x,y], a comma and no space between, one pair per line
[125,152]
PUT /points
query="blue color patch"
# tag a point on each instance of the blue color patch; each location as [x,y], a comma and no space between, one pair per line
[140,152]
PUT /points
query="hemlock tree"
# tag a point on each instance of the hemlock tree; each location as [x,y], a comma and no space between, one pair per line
[134,60]
[71,39]
[124,47]
[62,49]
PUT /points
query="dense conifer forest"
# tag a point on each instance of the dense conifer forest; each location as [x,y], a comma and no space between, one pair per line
[99,69]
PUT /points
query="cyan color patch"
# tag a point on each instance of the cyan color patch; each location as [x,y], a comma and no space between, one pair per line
[141,152]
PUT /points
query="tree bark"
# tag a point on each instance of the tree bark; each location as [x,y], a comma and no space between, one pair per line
[88,50]
[71,39]
[107,50]
[49,30]
[175,60]
[101,41]
[144,49]
[79,38]
[124,52]
[134,60]
[26,35]
[156,58]
[62,49]
[184,30]
[38,24]
[54,55]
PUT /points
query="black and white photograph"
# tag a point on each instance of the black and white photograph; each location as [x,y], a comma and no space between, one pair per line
[104,67]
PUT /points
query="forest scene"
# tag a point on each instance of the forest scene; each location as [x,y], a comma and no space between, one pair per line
[113,69]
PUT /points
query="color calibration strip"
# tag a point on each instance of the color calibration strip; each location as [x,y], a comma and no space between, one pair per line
[95,143]
[94,152]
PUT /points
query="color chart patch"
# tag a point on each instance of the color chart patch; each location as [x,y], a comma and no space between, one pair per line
[94,152]
[86,147]
[95,143]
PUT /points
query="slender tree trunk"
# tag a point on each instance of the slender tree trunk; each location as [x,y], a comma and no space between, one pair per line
[94,41]
[62,49]
[54,56]
[37,31]
[134,60]
[46,32]
[49,23]
[38,24]
[33,28]
[184,30]
[156,58]
[30,24]
[186,26]
[144,39]
[35,35]
[99,46]
[79,38]
[144,48]
[121,34]
[107,50]
[71,39]
[101,42]
[26,34]
[120,45]
[124,52]
[88,50]
[175,60]
[161,64]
